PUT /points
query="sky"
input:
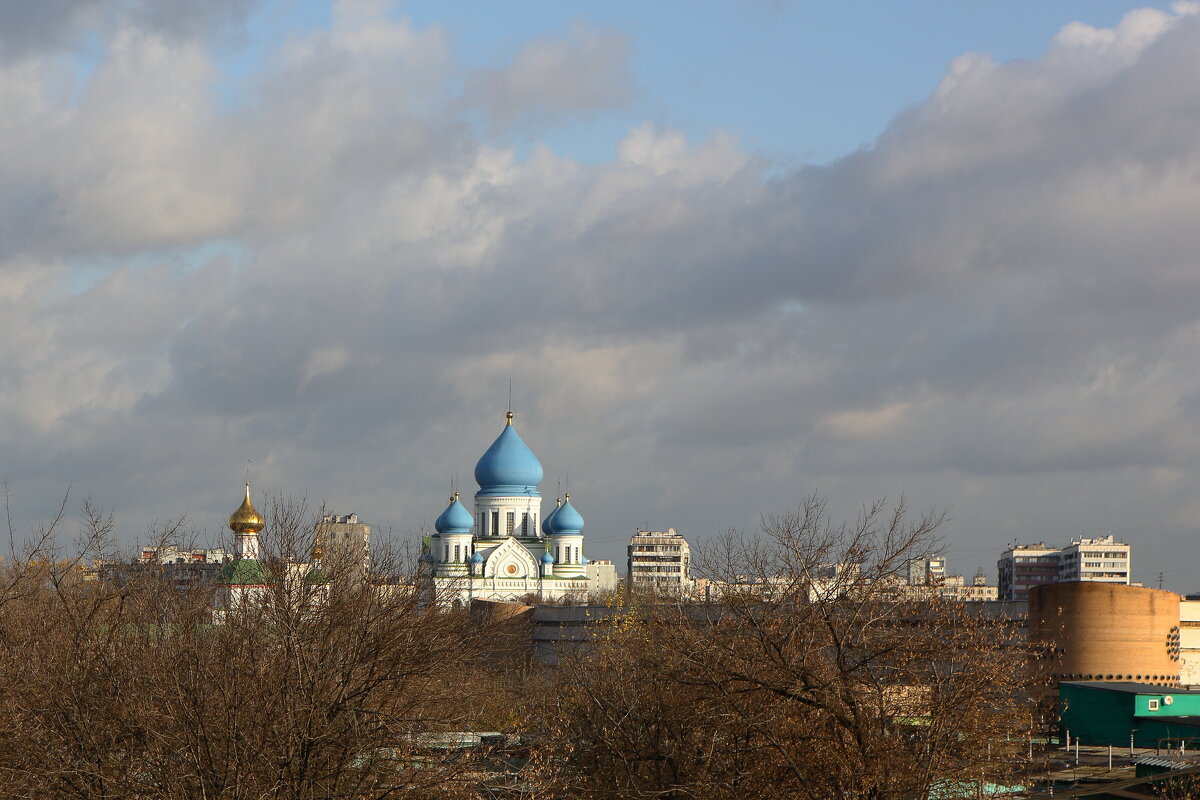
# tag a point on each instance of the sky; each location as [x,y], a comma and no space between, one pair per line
[728,254]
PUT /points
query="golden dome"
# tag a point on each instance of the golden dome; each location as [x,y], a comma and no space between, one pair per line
[246,519]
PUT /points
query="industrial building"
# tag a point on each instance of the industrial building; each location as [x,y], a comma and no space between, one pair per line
[1107,632]
[1130,714]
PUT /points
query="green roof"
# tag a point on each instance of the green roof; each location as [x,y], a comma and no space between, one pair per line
[245,572]
[316,575]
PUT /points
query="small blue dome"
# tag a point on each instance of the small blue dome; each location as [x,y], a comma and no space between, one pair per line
[546,520]
[455,519]
[547,558]
[566,520]
[477,558]
[508,467]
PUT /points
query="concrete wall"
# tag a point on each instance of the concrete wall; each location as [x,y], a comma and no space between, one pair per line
[1108,632]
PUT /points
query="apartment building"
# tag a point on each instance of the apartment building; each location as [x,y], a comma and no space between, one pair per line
[183,568]
[1099,559]
[1023,566]
[343,543]
[955,587]
[659,563]
[927,571]
[602,577]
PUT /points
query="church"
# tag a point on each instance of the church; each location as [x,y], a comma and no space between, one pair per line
[506,549]
[245,580]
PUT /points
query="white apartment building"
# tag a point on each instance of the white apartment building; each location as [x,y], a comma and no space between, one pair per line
[170,554]
[1189,640]
[1101,559]
[659,563]
[928,571]
[1024,566]
[602,577]
[955,587]
[931,572]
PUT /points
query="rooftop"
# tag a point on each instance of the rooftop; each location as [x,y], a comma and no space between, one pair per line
[1131,687]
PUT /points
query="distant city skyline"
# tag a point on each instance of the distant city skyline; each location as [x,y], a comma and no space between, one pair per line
[727,254]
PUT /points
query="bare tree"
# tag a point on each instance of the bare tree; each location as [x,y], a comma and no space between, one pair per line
[343,689]
[812,677]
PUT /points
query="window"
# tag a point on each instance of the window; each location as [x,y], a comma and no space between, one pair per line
[1154,705]
[495,523]
[525,524]
[511,520]
[456,552]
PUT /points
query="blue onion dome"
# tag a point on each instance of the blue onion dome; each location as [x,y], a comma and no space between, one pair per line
[477,558]
[509,466]
[566,519]
[546,519]
[455,519]
[547,558]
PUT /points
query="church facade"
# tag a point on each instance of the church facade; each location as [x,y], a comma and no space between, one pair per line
[506,549]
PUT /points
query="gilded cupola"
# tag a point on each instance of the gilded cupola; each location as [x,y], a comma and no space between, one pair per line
[246,519]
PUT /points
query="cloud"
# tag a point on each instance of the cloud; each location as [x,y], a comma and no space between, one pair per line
[27,28]
[48,26]
[583,70]
[994,306]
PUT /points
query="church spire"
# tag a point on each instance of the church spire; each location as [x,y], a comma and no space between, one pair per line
[246,523]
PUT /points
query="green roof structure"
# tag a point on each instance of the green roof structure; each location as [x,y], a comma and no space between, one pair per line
[1117,712]
[245,572]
